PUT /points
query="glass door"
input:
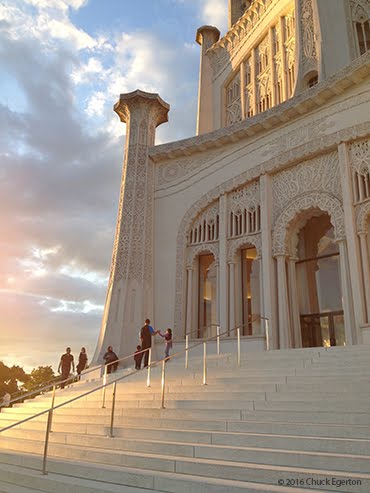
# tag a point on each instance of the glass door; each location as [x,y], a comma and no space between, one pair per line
[323,329]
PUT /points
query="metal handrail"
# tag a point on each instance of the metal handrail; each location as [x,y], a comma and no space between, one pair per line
[50,411]
[113,382]
[57,382]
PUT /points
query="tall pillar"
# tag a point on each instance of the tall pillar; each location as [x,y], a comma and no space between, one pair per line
[284,322]
[223,274]
[206,36]
[269,283]
[272,67]
[131,276]
[294,306]
[189,301]
[283,59]
[232,297]
[357,290]
[365,270]
[346,292]
[254,81]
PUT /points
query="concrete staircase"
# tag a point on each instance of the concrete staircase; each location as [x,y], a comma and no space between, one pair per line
[285,421]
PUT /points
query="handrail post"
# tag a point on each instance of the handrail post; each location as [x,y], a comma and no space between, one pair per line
[163,382]
[238,337]
[104,383]
[112,412]
[52,401]
[204,363]
[46,445]
[267,334]
[218,338]
[187,351]
[149,363]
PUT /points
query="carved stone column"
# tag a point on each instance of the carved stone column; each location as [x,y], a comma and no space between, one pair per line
[365,270]
[283,59]
[307,57]
[294,306]
[131,276]
[351,240]
[346,292]
[284,322]
[272,67]
[223,280]
[254,81]
[232,297]
[267,262]
[189,300]
[242,90]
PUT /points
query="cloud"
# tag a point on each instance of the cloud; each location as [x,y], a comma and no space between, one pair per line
[61,150]
[215,13]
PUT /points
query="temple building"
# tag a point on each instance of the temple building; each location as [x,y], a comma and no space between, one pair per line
[261,220]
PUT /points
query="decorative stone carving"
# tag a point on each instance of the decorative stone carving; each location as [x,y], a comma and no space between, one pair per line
[233,101]
[233,41]
[305,133]
[360,156]
[300,105]
[321,173]
[282,231]
[233,246]
[244,211]
[205,228]
[194,251]
[360,10]
[134,224]
[309,51]
[290,156]
[362,213]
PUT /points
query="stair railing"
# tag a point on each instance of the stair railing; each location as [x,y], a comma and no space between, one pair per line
[53,384]
[113,382]
[50,410]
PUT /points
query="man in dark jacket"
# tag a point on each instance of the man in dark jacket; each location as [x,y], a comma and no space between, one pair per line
[146,334]
[111,360]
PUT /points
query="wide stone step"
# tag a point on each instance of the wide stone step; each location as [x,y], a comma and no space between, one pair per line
[210,468]
[131,435]
[302,415]
[59,446]
[114,479]
[263,423]
[122,398]
[19,480]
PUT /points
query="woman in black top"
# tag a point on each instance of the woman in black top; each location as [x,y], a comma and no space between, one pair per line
[82,362]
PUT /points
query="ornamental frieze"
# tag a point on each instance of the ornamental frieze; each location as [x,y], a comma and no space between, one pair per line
[315,175]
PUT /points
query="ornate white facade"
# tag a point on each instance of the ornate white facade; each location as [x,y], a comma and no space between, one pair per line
[264,215]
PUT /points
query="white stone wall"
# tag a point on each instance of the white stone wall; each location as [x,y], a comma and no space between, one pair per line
[187,183]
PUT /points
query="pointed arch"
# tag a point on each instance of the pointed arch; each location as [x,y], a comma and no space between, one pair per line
[281,244]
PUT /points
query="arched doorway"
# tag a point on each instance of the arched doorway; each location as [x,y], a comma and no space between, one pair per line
[319,284]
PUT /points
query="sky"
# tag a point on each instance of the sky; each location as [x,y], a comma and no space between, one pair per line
[63,64]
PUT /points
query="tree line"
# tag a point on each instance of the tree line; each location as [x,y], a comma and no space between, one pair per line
[13,379]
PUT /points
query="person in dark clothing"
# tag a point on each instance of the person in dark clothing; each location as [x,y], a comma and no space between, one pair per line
[82,362]
[66,361]
[111,360]
[138,356]
[146,334]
